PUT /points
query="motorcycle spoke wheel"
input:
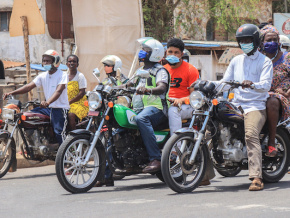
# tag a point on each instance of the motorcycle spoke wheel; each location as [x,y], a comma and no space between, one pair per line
[178,173]
[6,158]
[73,175]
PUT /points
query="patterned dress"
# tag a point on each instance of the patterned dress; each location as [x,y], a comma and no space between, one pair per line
[78,108]
[281,80]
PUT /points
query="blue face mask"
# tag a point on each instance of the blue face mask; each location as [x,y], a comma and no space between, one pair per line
[47,67]
[142,54]
[247,47]
[271,47]
[172,59]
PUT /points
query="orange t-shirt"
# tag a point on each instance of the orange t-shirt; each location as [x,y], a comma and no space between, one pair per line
[181,78]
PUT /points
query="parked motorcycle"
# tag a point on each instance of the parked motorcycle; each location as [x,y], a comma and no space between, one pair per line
[82,157]
[187,150]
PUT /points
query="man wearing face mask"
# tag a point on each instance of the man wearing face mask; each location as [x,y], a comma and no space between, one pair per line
[251,68]
[54,84]
[182,75]
[151,95]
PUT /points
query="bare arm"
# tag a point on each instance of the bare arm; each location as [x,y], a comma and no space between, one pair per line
[22,90]
[78,97]
[158,90]
[54,97]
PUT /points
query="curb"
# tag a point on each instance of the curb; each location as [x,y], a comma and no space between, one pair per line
[23,163]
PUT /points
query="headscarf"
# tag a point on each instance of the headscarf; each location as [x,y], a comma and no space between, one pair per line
[269,29]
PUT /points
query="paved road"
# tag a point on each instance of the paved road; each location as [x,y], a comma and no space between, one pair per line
[35,192]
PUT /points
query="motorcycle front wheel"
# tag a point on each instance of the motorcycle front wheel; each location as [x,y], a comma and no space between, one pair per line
[178,173]
[7,158]
[72,175]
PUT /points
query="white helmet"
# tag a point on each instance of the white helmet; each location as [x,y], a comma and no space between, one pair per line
[284,40]
[156,48]
[55,55]
[112,60]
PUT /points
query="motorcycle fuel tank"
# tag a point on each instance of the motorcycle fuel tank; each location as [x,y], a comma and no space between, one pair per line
[228,112]
[125,116]
[34,119]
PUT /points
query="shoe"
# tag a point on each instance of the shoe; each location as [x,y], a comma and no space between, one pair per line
[272,151]
[204,183]
[257,185]
[106,182]
[153,167]
[13,167]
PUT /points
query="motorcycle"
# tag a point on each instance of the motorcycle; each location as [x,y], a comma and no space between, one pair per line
[220,128]
[81,159]
[39,142]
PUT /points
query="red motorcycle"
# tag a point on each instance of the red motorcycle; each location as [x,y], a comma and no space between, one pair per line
[35,130]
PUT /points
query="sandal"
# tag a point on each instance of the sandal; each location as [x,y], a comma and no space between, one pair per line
[256,185]
[272,151]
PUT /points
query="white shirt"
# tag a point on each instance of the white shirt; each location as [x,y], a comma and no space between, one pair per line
[49,84]
[81,79]
[257,68]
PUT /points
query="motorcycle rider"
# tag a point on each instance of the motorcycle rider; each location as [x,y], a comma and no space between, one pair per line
[112,64]
[54,83]
[155,102]
[251,69]
[183,75]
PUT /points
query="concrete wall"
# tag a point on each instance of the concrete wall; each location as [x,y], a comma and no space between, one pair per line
[12,48]
[204,64]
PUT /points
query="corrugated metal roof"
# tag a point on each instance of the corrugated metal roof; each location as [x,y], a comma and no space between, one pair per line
[10,64]
[210,43]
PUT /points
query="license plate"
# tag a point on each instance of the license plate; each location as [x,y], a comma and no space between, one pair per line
[93,113]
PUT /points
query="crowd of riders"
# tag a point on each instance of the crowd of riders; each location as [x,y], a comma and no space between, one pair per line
[263,70]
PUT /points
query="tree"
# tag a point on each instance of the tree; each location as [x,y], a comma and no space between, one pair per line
[158,18]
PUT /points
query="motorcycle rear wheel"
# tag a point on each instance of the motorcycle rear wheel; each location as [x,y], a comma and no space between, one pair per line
[174,162]
[228,172]
[73,177]
[6,160]
[279,164]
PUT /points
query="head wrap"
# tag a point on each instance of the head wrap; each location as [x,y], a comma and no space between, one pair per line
[269,29]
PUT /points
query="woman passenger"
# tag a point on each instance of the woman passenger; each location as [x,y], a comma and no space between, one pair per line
[76,90]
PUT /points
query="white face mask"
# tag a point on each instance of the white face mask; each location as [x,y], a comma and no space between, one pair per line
[283,50]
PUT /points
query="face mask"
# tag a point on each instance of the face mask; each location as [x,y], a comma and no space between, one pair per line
[185,60]
[142,55]
[247,47]
[172,59]
[282,49]
[47,67]
[271,47]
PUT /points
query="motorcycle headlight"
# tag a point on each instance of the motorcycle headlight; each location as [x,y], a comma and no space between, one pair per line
[95,100]
[197,99]
[8,114]
[123,100]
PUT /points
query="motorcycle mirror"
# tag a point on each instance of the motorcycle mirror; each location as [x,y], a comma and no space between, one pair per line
[97,74]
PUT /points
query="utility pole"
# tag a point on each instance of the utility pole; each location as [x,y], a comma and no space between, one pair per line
[286,9]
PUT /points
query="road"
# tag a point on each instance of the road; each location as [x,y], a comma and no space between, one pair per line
[35,192]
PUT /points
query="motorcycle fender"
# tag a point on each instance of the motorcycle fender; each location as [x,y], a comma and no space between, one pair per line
[87,132]
[2,131]
[187,130]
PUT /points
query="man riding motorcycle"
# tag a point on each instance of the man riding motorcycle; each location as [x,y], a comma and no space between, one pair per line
[54,83]
[254,70]
[152,96]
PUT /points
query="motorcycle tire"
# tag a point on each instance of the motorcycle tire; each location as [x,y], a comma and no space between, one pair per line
[6,162]
[160,176]
[176,182]
[229,172]
[71,175]
[281,160]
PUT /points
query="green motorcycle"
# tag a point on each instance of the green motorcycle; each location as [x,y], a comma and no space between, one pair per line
[81,159]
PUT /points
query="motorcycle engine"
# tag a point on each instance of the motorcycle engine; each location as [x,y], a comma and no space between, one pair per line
[37,140]
[232,149]
[130,147]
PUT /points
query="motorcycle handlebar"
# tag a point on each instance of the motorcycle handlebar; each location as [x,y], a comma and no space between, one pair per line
[238,84]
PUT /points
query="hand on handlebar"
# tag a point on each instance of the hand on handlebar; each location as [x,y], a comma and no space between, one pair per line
[143,91]
[44,104]
[5,95]
[247,84]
